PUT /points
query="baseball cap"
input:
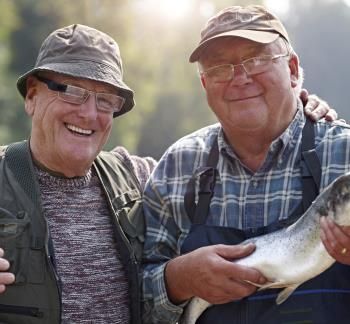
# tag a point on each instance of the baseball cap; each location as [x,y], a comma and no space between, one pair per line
[83,52]
[251,22]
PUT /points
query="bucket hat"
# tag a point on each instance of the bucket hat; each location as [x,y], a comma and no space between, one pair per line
[83,52]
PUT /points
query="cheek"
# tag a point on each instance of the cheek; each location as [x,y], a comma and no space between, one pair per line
[214,94]
[106,124]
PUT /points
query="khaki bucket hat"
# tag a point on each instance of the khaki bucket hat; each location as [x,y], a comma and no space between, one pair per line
[83,52]
[251,22]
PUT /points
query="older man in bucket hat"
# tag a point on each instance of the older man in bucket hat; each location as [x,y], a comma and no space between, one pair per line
[70,218]
[255,171]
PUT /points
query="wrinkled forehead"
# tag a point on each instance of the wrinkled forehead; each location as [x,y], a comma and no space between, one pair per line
[88,84]
[237,46]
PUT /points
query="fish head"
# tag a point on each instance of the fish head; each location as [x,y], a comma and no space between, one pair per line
[339,200]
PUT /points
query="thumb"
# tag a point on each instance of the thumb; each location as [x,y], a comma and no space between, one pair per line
[231,252]
[304,95]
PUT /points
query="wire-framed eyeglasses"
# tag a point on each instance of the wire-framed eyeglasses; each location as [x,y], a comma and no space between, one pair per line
[105,102]
[252,66]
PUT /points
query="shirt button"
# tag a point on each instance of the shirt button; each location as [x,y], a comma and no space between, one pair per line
[255,183]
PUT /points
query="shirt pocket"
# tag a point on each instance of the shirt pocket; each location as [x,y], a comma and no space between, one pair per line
[129,212]
[21,248]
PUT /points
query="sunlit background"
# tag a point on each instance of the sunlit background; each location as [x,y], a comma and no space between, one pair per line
[156,38]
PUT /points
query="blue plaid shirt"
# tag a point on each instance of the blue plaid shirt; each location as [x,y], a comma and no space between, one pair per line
[242,199]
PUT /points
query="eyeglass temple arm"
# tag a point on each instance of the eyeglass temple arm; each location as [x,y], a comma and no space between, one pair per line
[53,85]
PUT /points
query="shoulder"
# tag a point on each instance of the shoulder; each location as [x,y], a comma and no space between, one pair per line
[195,143]
[331,131]
[140,166]
[332,142]
[186,154]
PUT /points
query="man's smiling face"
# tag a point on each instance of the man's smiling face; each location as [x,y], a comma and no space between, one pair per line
[66,137]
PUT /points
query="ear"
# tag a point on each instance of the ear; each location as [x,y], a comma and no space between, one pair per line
[30,99]
[294,70]
[203,81]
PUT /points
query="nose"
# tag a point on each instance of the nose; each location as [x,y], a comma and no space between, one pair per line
[88,109]
[240,76]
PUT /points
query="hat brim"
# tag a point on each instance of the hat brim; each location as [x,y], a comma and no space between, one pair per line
[96,71]
[263,37]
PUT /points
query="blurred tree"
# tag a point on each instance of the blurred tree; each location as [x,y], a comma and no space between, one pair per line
[155,46]
[320,29]
[8,22]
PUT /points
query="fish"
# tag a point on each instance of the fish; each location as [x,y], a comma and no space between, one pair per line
[299,254]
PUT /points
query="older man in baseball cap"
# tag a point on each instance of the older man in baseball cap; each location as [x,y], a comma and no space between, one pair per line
[254,172]
[70,222]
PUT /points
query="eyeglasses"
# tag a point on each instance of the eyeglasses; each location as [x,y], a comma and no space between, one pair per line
[105,102]
[254,65]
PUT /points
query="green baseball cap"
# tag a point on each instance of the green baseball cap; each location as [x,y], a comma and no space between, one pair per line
[83,52]
[251,22]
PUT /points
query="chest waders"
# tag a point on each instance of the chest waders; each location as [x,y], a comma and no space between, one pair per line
[324,299]
[35,297]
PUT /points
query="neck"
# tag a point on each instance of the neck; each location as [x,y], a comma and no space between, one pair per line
[66,169]
[251,149]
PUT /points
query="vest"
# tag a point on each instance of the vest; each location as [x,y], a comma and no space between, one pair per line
[35,297]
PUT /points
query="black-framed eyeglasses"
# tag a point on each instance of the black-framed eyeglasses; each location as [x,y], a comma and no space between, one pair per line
[252,66]
[105,102]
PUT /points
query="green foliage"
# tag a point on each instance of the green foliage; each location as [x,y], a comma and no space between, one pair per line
[155,46]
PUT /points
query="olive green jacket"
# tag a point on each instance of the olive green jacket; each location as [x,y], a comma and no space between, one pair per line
[35,296]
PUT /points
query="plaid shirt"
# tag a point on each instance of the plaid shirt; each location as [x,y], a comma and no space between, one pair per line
[242,199]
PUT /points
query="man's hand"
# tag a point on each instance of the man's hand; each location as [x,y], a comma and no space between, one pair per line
[316,108]
[208,273]
[6,278]
[336,240]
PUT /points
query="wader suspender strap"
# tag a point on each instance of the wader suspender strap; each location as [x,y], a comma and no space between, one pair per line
[18,160]
[207,175]
[310,172]
[310,165]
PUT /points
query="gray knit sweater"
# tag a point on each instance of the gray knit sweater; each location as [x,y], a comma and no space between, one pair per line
[94,283]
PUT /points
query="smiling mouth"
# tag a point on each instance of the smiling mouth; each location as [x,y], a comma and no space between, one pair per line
[245,98]
[77,130]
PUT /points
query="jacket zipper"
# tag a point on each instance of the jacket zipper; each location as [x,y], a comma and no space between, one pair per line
[21,310]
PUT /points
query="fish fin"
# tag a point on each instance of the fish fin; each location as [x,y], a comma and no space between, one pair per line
[269,284]
[272,284]
[193,310]
[254,283]
[285,293]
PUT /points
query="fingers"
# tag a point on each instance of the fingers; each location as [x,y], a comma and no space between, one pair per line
[304,96]
[6,278]
[209,273]
[336,240]
[4,264]
[241,273]
[332,115]
[316,108]
[231,252]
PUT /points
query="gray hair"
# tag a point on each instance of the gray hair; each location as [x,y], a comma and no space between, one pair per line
[285,45]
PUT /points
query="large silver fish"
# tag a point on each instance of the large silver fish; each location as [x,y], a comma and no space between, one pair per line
[295,254]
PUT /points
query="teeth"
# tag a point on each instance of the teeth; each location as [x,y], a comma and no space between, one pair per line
[79,130]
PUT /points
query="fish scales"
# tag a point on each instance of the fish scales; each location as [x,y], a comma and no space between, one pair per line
[295,254]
